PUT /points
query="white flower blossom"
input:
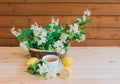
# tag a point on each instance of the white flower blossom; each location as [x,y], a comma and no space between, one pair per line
[44,33]
[59,47]
[84,18]
[52,29]
[60,50]
[55,23]
[15,33]
[39,32]
[79,19]
[51,48]
[63,37]
[74,28]
[42,40]
[43,68]
[34,26]
[23,45]
[83,37]
[36,32]
[87,13]
[42,37]
[58,44]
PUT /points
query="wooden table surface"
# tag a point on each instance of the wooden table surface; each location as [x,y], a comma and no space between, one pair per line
[93,65]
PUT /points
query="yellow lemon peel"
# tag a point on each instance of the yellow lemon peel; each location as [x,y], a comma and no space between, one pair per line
[67,61]
[31,61]
[65,72]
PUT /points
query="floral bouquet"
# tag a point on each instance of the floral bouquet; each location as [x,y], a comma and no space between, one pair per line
[52,37]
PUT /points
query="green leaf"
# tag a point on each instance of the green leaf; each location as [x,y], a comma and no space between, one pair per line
[83,27]
[57,27]
[40,62]
[68,41]
[42,47]
[47,26]
[33,42]
[37,37]
[32,69]
[35,67]
[82,19]
[25,35]
[44,75]
[30,45]
[63,31]
[19,37]
[56,35]
[76,36]
[66,48]
[82,32]
[25,39]
[80,24]
[88,21]
[28,33]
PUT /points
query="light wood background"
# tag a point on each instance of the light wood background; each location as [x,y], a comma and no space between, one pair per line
[103,31]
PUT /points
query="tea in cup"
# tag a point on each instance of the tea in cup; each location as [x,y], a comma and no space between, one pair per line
[51,60]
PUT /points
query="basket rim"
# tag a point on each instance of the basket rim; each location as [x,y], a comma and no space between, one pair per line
[37,50]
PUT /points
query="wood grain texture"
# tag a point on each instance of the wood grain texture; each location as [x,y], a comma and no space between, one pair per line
[54,1]
[97,42]
[58,9]
[26,21]
[104,29]
[96,65]
[102,33]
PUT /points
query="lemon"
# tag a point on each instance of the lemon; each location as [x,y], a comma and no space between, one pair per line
[31,61]
[65,72]
[67,61]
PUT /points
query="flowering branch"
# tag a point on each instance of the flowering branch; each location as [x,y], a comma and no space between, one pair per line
[53,37]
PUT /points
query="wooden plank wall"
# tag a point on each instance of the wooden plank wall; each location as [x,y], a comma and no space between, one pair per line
[103,31]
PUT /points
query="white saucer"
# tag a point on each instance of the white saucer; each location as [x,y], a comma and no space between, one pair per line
[59,67]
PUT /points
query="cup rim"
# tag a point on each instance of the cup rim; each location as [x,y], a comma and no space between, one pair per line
[50,56]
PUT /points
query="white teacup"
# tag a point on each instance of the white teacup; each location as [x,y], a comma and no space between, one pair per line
[51,60]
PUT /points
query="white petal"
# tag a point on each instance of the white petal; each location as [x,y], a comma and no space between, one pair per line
[53,20]
[23,45]
[15,33]
[87,12]
[84,18]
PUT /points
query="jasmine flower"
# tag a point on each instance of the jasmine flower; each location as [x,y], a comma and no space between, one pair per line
[63,37]
[74,28]
[87,13]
